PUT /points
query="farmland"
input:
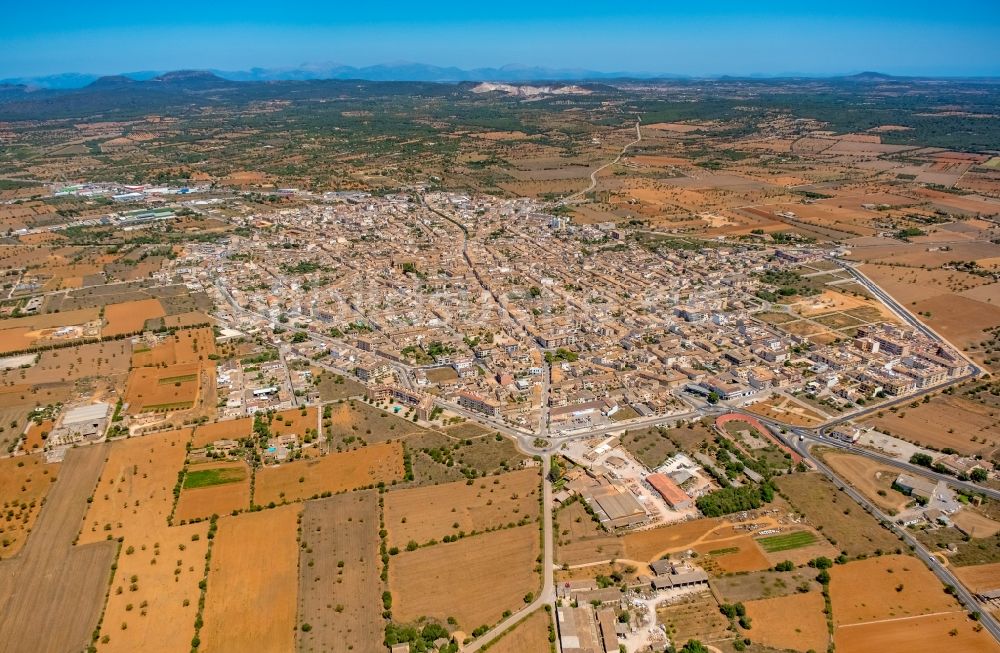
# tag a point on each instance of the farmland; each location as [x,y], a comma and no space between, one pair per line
[842,522]
[580,540]
[773,627]
[530,635]
[233,429]
[339,591]
[336,472]
[174,387]
[694,617]
[253,571]
[433,512]
[229,491]
[898,603]
[130,317]
[135,493]
[68,582]
[786,541]
[354,423]
[155,590]
[24,484]
[501,563]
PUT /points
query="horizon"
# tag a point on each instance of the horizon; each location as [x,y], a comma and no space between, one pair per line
[780,40]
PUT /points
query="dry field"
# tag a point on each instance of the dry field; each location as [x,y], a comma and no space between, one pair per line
[764,585]
[339,587]
[450,580]
[979,578]
[221,499]
[975,524]
[579,540]
[295,421]
[233,429]
[869,477]
[788,411]
[719,556]
[135,494]
[34,437]
[108,360]
[653,544]
[167,566]
[529,636]
[24,484]
[842,522]
[185,346]
[67,583]
[130,317]
[252,584]
[695,617]
[929,425]
[886,587]
[175,387]
[432,512]
[929,633]
[773,627]
[335,472]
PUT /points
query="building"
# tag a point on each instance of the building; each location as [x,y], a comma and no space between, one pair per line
[675,497]
[423,404]
[472,401]
[915,486]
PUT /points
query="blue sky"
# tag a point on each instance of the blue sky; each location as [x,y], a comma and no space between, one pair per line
[721,37]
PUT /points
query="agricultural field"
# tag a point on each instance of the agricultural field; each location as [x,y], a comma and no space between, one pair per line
[336,472]
[979,578]
[68,583]
[108,360]
[429,513]
[787,541]
[135,493]
[154,597]
[694,617]
[761,585]
[529,636]
[24,484]
[253,572]
[872,479]
[896,601]
[339,588]
[449,580]
[184,346]
[233,429]
[163,389]
[731,555]
[653,544]
[772,625]
[213,489]
[829,510]
[130,317]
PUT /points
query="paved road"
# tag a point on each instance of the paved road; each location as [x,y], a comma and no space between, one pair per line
[943,573]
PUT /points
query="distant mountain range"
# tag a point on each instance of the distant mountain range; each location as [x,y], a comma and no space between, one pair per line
[397,72]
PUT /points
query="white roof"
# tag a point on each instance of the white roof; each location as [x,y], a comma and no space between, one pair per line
[86,413]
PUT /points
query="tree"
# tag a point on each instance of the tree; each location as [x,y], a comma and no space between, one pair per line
[979,475]
[694,646]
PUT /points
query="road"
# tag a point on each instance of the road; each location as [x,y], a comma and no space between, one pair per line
[593,175]
[548,595]
[943,573]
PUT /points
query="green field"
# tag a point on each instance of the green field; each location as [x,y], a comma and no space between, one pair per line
[219,476]
[178,379]
[180,405]
[786,541]
[722,552]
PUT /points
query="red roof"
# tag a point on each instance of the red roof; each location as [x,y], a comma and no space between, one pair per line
[669,490]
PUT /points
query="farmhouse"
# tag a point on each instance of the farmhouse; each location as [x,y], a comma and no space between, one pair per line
[671,575]
[615,505]
[582,630]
